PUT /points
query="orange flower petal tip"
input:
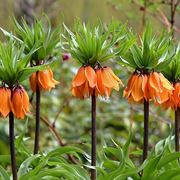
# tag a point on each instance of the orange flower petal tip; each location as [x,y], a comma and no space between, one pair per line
[159,87]
[5,105]
[44,79]
[174,98]
[20,102]
[153,86]
[136,89]
[106,80]
[102,80]
[84,82]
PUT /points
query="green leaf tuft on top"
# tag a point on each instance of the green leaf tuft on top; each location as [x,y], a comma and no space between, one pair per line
[172,71]
[40,36]
[95,44]
[153,52]
[14,63]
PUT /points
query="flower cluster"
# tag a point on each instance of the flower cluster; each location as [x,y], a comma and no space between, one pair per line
[174,99]
[100,79]
[16,101]
[44,79]
[149,86]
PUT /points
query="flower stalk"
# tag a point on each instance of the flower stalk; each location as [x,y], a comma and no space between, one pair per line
[146,128]
[177,121]
[93,148]
[11,141]
[37,128]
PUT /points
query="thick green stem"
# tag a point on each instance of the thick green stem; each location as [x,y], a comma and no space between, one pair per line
[146,129]
[177,121]
[93,148]
[37,130]
[12,147]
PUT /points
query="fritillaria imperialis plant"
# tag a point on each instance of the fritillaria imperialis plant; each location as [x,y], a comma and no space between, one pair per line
[172,73]
[46,41]
[147,83]
[92,46]
[14,98]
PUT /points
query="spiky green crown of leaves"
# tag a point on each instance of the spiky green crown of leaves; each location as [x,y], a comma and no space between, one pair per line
[14,63]
[172,71]
[153,53]
[38,36]
[95,44]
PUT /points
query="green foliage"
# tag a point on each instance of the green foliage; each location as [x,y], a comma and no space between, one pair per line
[172,71]
[95,44]
[154,52]
[3,174]
[14,63]
[39,36]
[116,164]
[162,163]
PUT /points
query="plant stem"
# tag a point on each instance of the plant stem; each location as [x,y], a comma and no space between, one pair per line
[93,148]
[37,130]
[177,120]
[144,15]
[172,17]
[173,6]
[12,147]
[146,129]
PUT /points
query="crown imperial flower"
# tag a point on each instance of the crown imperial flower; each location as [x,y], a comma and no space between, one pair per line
[44,79]
[5,96]
[106,80]
[19,102]
[153,86]
[84,82]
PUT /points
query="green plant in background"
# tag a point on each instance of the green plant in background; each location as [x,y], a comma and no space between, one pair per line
[92,46]
[14,99]
[172,73]
[147,82]
[46,41]
[116,163]
[162,163]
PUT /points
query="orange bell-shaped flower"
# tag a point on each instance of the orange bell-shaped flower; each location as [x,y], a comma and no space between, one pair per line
[174,100]
[44,79]
[153,86]
[136,90]
[160,89]
[20,102]
[106,80]
[5,97]
[84,82]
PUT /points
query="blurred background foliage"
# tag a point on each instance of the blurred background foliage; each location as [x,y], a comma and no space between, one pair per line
[66,120]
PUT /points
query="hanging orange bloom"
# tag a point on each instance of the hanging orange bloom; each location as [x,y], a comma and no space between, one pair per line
[44,79]
[160,89]
[153,86]
[106,80]
[174,99]
[84,82]
[20,102]
[137,89]
[5,96]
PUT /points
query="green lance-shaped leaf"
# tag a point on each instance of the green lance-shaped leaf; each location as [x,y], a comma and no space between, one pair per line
[153,53]
[172,71]
[39,36]
[3,174]
[14,63]
[92,44]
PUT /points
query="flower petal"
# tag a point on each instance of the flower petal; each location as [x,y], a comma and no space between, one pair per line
[79,78]
[90,76]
